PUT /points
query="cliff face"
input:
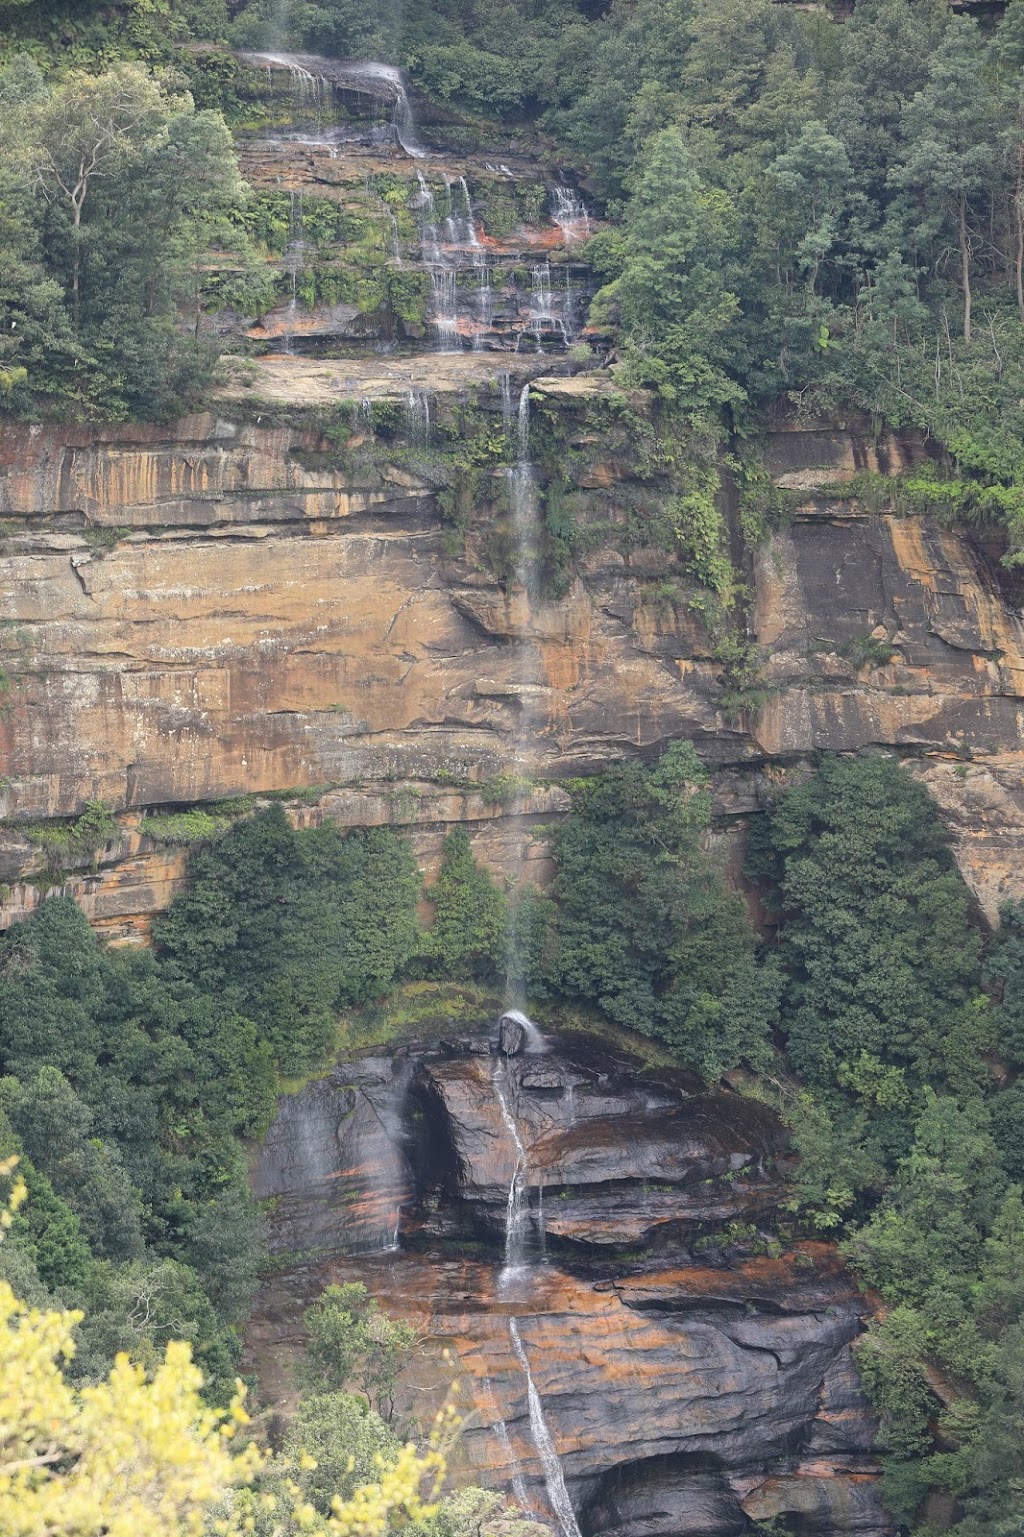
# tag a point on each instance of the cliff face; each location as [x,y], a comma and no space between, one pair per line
[317,585]
[690,1381]
[230,606]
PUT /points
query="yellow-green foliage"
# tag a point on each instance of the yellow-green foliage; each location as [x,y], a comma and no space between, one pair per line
[132,1454]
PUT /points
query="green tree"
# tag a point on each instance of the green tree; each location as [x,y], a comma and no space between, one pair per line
[84,130]
[946,171]
[353,1343]
[289,927]
[54,1126]
[808,188]
[645,926]
[747,83]
[667,292]
[875,936]
[467,936]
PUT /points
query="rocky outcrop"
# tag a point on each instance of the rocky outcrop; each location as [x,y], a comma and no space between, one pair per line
[693,1373]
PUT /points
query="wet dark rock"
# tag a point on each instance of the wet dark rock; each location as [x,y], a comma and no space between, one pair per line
[695,1373]
[511,1036]
[334,1163]
[669,1496]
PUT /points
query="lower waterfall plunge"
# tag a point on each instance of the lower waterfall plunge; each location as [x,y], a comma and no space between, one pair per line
[554,1478]
[515,1207]
[517,1266]
[518,1481]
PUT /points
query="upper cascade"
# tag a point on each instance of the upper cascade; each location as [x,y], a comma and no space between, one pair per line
[311,71]
[491,257]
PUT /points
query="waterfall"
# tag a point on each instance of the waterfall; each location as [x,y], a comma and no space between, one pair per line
[518,1481]
[430,248]
[524,510]
[484,299]
[523,498]
[516,1214]
[570,214]
[536,1045]
[443,285]
[309,74]
[418,409]
[506,403]
[444,235]
[446,315]
[554,1477]
[542,310]
[294,256]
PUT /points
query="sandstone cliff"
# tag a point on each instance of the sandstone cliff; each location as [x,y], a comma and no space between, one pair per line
[230,607]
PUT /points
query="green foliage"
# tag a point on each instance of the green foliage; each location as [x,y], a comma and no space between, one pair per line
[185,828]
[288,927]
[63,842]
[645,926]
[126,1094]
[880,956]
[907,1147]
[468,935]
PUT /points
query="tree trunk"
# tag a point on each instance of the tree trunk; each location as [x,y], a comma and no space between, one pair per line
[1019,210]
[965,264]
[76,268]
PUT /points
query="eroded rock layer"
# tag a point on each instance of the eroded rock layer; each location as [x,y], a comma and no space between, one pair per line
[694,1376]
[231,606]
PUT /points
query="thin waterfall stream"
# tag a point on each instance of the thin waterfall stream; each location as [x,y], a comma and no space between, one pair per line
[554,1478]
[517,1268]
[524,510]
[515,1207]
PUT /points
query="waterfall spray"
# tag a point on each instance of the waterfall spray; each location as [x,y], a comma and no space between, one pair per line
[523,496]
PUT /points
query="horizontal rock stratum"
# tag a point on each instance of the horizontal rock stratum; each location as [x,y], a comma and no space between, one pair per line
[229,606]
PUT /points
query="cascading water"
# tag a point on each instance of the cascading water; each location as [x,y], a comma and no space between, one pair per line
[418,408]
[569,212]
[524,515]
[523,501]
[309,74]
[506,404]
[443,286]
[294,258]
[516,1213]
[544,317]
[517,1479]
[554,1477]
[402,119]
[445,235]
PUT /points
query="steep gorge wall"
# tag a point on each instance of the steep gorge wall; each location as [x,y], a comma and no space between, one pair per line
[229,606]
